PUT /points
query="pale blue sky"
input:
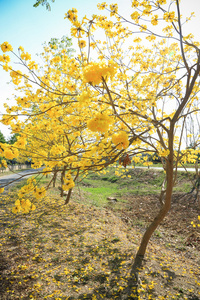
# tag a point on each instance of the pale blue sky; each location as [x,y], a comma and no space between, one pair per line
[23,25]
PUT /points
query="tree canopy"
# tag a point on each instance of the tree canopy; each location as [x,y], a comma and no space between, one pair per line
[125,95]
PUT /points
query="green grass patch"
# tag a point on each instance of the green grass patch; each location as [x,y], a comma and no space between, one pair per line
[142,182]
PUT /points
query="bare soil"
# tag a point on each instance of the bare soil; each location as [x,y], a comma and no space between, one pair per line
[80,251]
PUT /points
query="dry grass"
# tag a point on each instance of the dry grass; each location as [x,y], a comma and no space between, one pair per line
[81,251]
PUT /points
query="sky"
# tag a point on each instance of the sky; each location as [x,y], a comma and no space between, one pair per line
[23,25]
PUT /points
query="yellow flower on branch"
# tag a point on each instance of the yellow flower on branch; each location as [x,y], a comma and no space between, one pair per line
[169,16]
[23,205]
[8,153]
[25,56]
[16,76]
[4,58]
[102,6]
[94,72]
[100,123]
[82,44]
[113,9]
[154,20]
[83,98]
[71,15]
[121,140]
[68,182]
[5,47]
[40,192]
[135,16]
[164,153]
[21,143]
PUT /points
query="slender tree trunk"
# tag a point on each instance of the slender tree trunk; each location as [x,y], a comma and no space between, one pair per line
[134,274]
[167,204]
[68,196]
[158,219]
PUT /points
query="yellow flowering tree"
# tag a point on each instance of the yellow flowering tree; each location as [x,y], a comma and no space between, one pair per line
[128,92]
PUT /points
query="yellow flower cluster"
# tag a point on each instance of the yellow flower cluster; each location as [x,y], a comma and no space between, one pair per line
[71,14]
[102,6]
[154,20]
[83,98]
[16,76]
[68,182]
[164,153]
[121,140]
[100,123]
[6,47]
[4,58]
[94,72]
[113,9]
[21,143]
[135,16]
[40,192]
[24,206]
[82,43]
[169,16]
[10,154]
[25,56]
[57,150]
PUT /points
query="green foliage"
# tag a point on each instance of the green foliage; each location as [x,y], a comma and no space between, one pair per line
[13,138]
[43,3]
[61,44]
[2,138]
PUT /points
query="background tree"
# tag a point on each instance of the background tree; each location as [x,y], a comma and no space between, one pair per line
[13,138]
[2,138]
[119,99]
[43,3]
[192,130]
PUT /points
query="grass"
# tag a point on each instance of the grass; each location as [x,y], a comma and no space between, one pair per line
[85,250]
[142,182]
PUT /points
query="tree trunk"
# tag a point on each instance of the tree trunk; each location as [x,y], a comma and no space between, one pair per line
[68,196]
[162,213]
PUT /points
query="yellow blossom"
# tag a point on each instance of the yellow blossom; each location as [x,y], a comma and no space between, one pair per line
[94,72]
[121,140]
[169,16]
[40,192]
[4,58]
[5,47]
[100,123]
[82,43]
[154,20]
[25,56]
[102,6]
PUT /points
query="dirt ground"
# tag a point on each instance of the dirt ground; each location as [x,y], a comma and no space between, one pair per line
[80,251]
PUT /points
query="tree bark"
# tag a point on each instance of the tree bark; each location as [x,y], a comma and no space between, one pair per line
[167,204]
[68,196]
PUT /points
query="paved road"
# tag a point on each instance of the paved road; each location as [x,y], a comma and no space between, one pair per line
[160,168]
[11,179]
